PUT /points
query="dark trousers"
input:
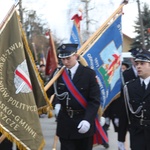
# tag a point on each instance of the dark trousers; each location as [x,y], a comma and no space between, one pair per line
[139,138]
[77,144]
[123,128]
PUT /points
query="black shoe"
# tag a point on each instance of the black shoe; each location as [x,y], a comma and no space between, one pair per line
[106,145]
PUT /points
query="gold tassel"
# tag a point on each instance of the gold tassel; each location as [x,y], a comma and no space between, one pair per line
[42,110]
[50,114]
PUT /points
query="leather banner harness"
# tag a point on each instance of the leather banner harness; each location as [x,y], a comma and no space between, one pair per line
[99,136]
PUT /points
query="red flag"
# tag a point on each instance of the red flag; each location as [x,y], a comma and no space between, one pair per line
[51,61]
[77,18]
[47,33]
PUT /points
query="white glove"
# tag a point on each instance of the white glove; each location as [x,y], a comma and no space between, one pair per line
[121,145]
[83,126]
[57,109]
[116,121]
[102,121]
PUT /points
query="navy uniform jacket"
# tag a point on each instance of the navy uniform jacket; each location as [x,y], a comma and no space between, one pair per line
[138,97]
[86,83]
[128,75]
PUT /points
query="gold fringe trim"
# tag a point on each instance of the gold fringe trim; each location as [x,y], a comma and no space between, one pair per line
[50,114]
[45,110]
[3,131]
[12,139]
[42,110]
[33,63]
[19,145]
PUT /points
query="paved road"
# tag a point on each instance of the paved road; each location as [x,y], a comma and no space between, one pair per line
[49,127]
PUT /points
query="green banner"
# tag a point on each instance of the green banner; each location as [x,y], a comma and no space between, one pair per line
[19,87]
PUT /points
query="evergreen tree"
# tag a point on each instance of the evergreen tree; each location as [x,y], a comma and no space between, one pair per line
[145,15]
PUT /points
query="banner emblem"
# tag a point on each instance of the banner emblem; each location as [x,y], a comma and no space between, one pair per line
[21,80]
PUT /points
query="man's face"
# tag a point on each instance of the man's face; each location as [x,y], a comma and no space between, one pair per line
[143,69]
[123,67]
[42,69]
[69,62]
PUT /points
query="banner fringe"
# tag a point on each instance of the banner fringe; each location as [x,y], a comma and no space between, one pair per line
[17,142]
[33,63]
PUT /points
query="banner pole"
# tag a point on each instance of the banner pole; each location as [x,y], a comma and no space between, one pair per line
[53,46]
[101,29]
[6,19]
[88,43]
[54,79]
[2,138]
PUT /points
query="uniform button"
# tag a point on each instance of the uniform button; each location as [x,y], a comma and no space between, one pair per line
[143,102]
[145,110]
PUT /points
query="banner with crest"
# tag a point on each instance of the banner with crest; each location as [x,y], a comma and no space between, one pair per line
[104,56]
[19,119]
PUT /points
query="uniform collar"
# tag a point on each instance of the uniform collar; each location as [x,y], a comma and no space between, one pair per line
[146,81]
[73,69]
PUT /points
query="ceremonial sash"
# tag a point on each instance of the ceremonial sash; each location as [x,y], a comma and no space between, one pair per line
[99,135]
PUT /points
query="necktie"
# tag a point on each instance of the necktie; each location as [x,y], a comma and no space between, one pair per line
[143,86]
[69,73]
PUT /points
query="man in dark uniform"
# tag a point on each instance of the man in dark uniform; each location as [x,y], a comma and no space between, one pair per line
[138,98]
[128,74]
[75,124]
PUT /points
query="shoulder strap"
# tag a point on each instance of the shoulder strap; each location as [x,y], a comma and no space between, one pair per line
[73,90]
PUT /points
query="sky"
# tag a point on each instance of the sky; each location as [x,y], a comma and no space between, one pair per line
[58,14]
